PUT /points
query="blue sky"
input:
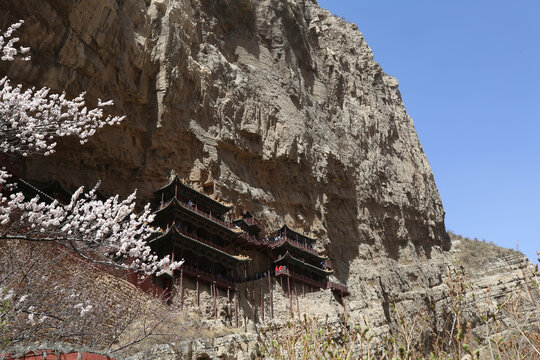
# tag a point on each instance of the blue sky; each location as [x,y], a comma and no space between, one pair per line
[469,74]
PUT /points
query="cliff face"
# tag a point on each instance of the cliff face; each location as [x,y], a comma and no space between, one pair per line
[276,106]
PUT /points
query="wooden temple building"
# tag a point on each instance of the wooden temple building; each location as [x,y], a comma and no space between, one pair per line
[193,229]
[220,255]
[224,253]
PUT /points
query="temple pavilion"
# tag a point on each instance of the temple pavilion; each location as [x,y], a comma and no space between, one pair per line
[251,238]
[193,229]
[296,259]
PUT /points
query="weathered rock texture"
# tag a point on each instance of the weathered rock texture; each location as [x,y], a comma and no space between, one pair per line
[276,106]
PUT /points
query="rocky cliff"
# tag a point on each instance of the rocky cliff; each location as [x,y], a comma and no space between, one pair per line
[276,106]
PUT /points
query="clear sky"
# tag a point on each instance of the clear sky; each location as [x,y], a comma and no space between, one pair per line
[469,74]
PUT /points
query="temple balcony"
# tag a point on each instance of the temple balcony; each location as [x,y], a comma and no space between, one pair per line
[286,272]
[296,244]
[201,240]
[163,215]
[248,239]
[207,277]
[338,288]
[174,237]
[291,261]
[295,235]
[253,223]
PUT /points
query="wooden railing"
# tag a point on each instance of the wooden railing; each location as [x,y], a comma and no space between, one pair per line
[208,277]
[338,287]
[295,243]
[253,240]
[282,271]
[209,216]
[252,222]
[301,278]
[200,239]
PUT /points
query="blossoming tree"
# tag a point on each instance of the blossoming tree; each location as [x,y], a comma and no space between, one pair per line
[101,231]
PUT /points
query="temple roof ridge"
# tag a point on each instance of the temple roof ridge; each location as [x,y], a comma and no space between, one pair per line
[174,202]
[175,179]
[285,241]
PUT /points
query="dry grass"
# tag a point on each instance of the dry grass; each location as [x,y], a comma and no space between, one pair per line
[476,254]
[506,329]
[121,318]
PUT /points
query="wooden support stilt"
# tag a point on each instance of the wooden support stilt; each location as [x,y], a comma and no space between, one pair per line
[271,297]
[252,281]
[262,301]
[215,300]
[228,302]
[235,310]
[245,281]
[198,291]
[289,292]
[181,288]
[303,290]
[297,302]
[253,293]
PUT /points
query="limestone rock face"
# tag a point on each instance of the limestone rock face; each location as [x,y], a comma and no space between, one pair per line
[276,106]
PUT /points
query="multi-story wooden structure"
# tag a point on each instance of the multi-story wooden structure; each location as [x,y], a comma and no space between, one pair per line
[295,258]
[193,229]
[217,253]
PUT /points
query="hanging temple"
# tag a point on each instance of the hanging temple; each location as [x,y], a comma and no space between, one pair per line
[221,255]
